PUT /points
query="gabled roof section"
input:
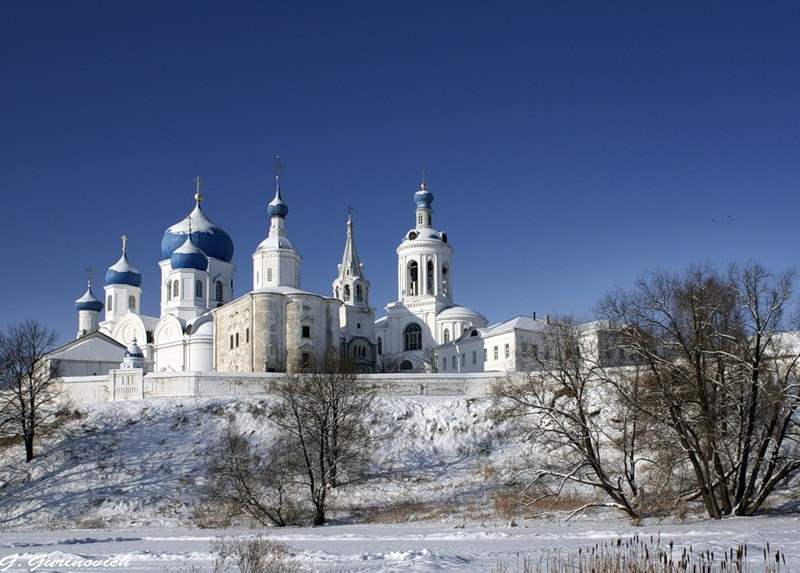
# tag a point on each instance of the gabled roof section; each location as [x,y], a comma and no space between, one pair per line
[83,339]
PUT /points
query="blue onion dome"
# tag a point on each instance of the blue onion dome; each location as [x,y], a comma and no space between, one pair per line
[210,238]
[188,256]
[277,207]
[133,350]
[123,272]
[423,198]
[88,301]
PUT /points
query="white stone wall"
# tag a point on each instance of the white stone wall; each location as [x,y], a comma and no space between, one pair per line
[135,385]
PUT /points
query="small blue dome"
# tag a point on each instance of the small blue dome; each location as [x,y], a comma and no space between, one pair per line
[211,239]
[88,301]
[123,273]
[423,198]
[188,256]
[276,207]
[133,350]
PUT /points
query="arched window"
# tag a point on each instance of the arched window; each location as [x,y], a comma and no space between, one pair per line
[406,365]
[380,345]
[132,303]
[413,278]
[446,335]
[168,288]
[359,294]
[198,289]
[346,292]
[175,292]
[412,337]
[109,307]
[445,280]
[336,293]
[429,278]
[269,275]
[218,289]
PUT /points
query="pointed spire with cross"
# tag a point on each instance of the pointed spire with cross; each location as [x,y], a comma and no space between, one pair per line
[124,245]
[277,168]
[89,276]
[277,207]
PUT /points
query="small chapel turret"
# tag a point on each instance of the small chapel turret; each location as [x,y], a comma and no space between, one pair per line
[276,263]
[89,308]
[123,287]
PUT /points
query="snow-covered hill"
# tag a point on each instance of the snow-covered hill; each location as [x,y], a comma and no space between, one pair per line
[141,463]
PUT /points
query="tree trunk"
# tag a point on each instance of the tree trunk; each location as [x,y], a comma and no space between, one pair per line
[319,516]
[28,448]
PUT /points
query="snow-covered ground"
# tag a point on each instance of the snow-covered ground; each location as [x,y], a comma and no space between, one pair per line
[123,479]
[141,463]
[394,548]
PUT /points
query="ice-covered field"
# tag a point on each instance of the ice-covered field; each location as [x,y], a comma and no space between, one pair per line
[389,548]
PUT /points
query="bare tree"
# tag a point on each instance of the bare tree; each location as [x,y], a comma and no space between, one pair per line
[430,360]
[30,397]
[722,378]
[563,404]
[321,415]
[248,483]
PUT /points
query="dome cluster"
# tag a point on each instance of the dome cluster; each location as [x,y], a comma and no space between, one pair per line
[212,240]
[188,256]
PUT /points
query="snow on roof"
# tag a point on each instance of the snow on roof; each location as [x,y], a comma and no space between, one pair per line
[276,242]
[518,322]
[94,334]
[459,311]
[197,220]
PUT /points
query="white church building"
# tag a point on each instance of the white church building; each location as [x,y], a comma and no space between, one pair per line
[277,326]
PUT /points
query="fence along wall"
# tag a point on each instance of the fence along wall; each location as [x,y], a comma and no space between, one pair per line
[134,384]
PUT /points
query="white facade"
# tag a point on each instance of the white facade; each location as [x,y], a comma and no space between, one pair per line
[424,315]
[203,327]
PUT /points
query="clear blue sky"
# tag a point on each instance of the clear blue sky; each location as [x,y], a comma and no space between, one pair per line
[569,148]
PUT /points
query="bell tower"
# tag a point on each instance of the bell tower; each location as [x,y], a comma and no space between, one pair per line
[424,258]
[351,286]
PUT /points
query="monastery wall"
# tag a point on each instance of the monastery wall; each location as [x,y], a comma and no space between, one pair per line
[135,385]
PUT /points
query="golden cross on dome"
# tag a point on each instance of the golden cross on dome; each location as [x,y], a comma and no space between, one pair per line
[198,188]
